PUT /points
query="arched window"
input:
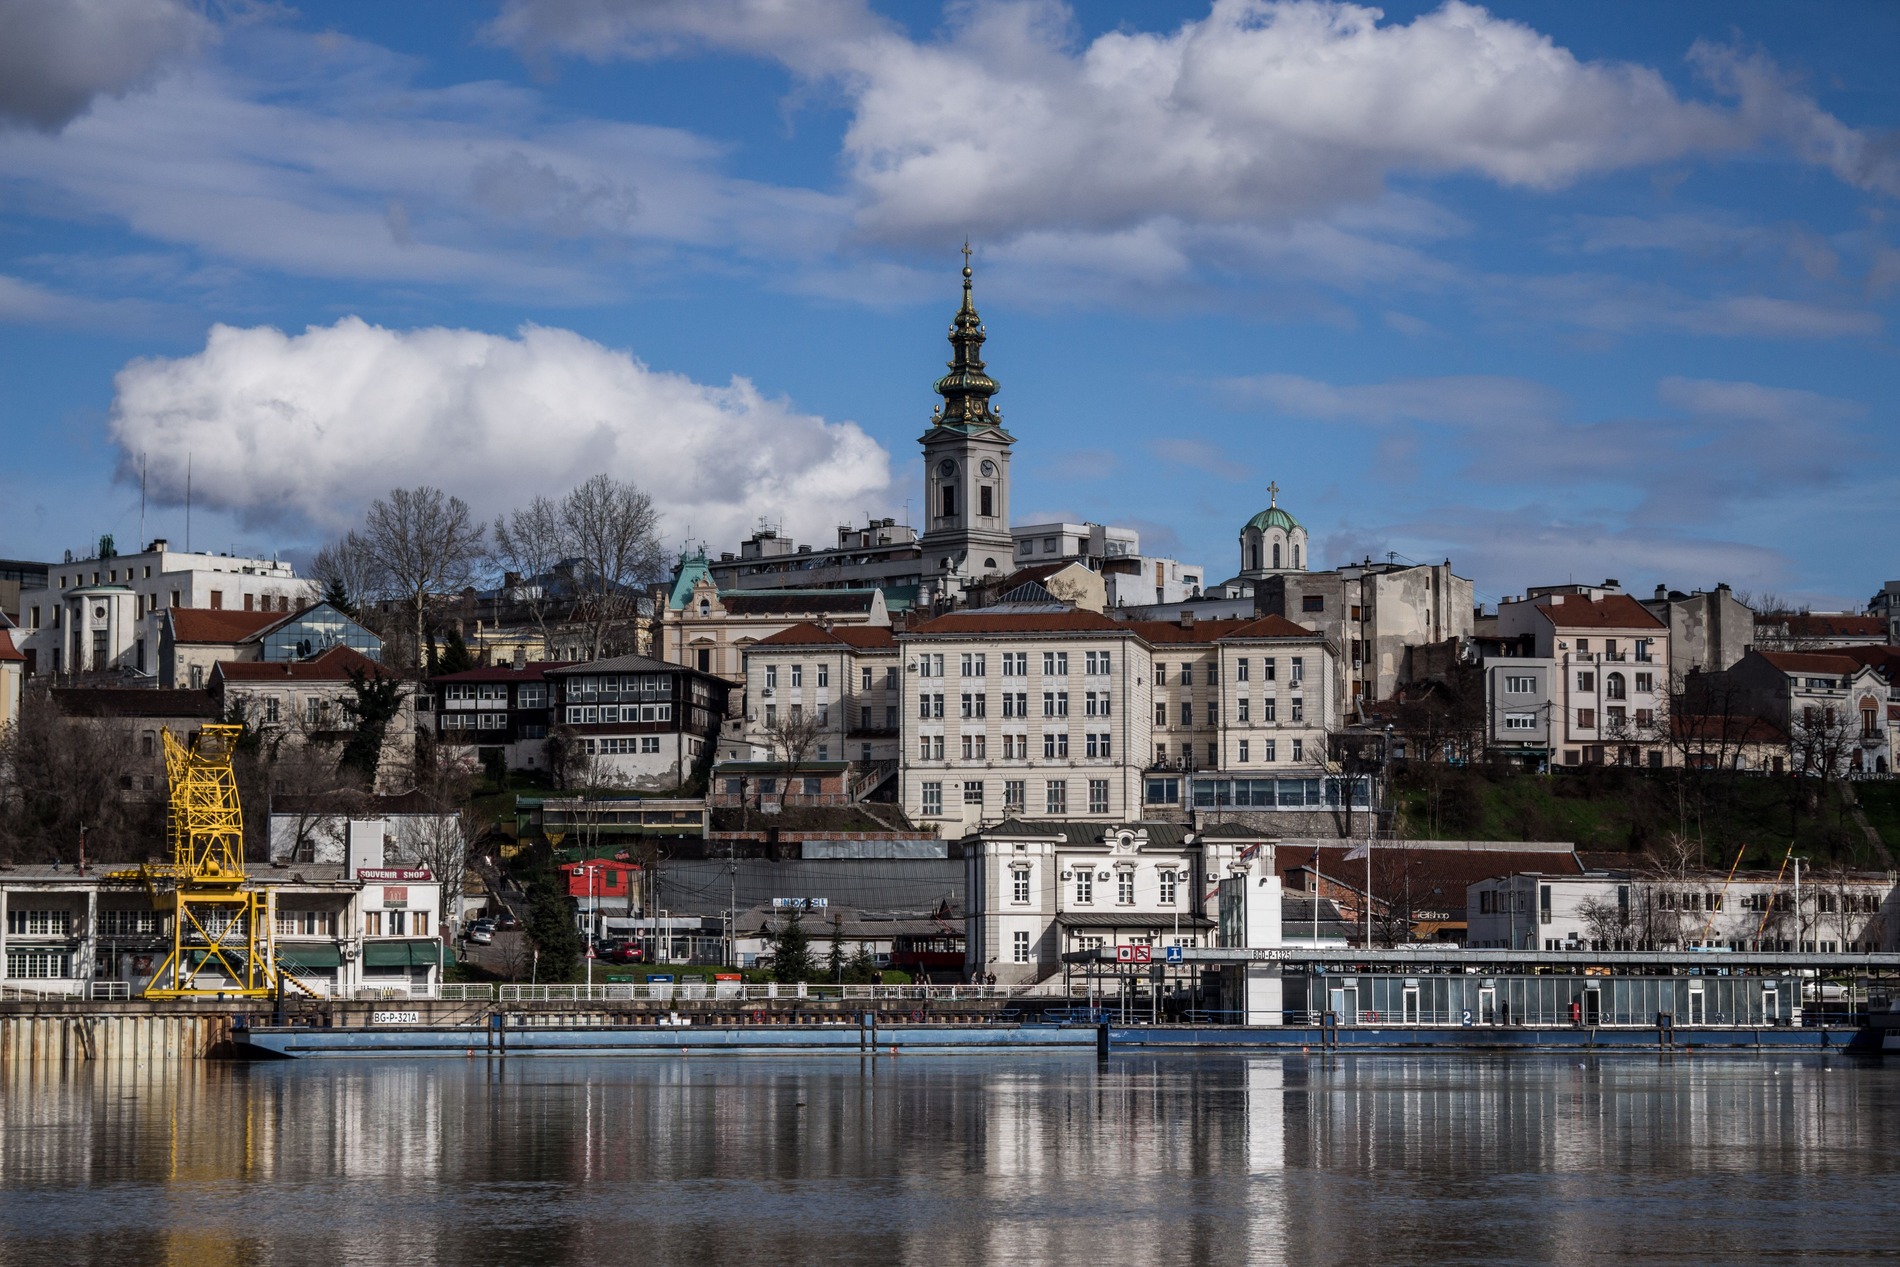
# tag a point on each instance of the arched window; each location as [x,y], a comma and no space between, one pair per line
[1613,687]
[1296,558]
[1276,555]
[1253,555]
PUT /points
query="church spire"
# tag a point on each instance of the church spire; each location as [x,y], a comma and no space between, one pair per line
[966,389]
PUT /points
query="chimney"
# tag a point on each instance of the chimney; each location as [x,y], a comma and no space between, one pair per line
[1556,600]
[1662,593]
[1187,619]
[521,656]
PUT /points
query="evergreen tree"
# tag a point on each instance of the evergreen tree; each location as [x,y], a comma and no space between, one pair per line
[551,932]
[834,962]
[378,700]
[338,597]
[861,969]
[455,657]
[791,953]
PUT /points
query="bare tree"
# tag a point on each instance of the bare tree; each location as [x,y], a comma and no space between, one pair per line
[348,572]
[791,735]
[1820,740]
[1610,922]
[425,545]
[528,544]
[444,839]
[69,774]
[616,538]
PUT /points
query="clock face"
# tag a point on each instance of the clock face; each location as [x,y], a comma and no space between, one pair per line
[946,469]
[989,470]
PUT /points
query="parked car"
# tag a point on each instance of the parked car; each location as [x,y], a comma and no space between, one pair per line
[480,936]
[507,923]
[622,952]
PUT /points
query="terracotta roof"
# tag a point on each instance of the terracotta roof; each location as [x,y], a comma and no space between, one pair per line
[1824,624]
[134,701]
[1033,573]
[1885,659]
[1730,730]
[1203,631]
[533,671]
[1449,871]
[7,650]
[1614,611]
[810,635]
[767,604]
[982,621]
[218,626]
[333,665]
[1830,662]
[618,664]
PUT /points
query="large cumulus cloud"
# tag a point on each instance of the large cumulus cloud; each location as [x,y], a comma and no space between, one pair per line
[301,431]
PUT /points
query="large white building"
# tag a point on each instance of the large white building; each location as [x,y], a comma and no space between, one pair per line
[1129,578]
[1053,712]
[1039,890]
[1610,688]
[106,614]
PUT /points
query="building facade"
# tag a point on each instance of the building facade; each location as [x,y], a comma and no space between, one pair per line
[1611,689]
[635,722]
[824,694]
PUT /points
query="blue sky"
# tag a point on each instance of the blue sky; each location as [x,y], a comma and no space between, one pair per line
[1556,291]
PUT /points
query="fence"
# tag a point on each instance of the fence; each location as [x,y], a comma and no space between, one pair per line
[663,991]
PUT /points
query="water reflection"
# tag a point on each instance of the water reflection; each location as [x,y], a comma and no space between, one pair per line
[1177,1159]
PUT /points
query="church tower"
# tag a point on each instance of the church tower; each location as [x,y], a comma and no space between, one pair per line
[1272,543]
[966,463]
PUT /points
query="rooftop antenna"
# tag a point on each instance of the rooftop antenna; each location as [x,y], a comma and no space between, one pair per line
[187,501]
[141,499]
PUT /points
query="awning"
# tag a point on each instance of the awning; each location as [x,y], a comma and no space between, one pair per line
[1132,919]
[402,954]
[309,958]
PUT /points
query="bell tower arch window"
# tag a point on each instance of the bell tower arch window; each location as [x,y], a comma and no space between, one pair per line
[1276,555]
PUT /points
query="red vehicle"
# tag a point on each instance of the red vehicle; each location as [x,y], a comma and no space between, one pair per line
[622,952]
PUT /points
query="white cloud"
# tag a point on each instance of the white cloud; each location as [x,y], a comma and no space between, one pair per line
[58,56]
[303,430]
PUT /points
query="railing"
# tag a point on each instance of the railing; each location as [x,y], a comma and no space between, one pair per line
[32,994]
[109,990]
[663,991]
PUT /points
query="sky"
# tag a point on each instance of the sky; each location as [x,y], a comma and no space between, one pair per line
[1555,291]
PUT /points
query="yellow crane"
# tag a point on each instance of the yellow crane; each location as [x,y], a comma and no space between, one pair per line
[222,941]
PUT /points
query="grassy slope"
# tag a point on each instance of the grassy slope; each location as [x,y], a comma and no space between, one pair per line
[1614,810]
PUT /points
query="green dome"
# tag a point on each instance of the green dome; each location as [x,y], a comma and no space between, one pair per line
[1273,517]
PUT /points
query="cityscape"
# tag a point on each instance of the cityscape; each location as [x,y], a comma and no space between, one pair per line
[1422,651]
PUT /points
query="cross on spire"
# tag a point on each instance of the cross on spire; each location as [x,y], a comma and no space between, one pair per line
[1273,495]
[966,257]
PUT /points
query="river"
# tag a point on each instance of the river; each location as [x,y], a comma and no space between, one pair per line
[1209,1158]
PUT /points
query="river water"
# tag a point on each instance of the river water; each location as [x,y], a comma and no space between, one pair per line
[1214,1158]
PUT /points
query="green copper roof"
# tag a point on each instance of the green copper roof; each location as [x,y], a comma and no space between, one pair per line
[1273,517]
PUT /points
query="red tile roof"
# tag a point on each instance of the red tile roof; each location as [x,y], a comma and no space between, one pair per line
[218,627]
[333,665]
[1614,611]
[1728,730]
[7,650]
[870,637]
[980,622]
[1206,631]
[1830,662]
[1823,624]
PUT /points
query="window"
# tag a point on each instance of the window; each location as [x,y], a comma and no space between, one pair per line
[1269,709]
[1520,721]
[1645,682]
[271,705]
[1161,674]
[798,675]
[1098,799]
[933,799]
[1613,686]
[1586,718]
[1187,713]
[1586,681]
[973,664]
[1125,887]
[1240,669]
[975,747]
[1299,750]
[1245,706]
[1299,709]
[1213,754]
[1019,887]
[824,675]
[973,792]
[1048,545]
[1161,713]
[947,506]
[1168,882]
[1520,685]
[771,675]
[1056,794]
[1243,752]
[1271,746]
[1297,671]
[1096,663]
[1163,792]
[1313,602]
[372,923]
[1098,744]
[23,923]
[1019,947]
[930,705]
[651,743]
[39,963]
[1055,703]
[1187,675]
[1014,798]
[1055,743]
[1055,663]
[864,681]
[930,665]
[890,678]
[986,501]
[217,597]
[1084,887]
[1268,668]
[1015,664]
